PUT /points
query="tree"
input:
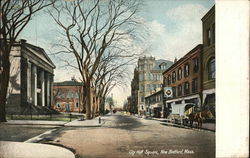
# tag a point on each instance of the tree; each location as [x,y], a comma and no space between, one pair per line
[91,28]
[112,71]
[15,15]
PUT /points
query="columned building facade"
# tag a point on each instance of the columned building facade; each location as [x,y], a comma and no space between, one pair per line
[31,79]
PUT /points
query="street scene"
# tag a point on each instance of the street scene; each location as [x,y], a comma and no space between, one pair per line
[107,79]
[122,136]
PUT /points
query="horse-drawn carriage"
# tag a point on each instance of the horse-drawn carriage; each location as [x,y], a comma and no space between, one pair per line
[198,116]
[189,113]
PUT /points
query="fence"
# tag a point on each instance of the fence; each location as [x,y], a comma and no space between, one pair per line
[50,117]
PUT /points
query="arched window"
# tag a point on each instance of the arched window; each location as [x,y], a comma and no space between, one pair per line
[211,69]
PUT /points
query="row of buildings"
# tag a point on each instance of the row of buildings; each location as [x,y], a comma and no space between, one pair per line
[160,85]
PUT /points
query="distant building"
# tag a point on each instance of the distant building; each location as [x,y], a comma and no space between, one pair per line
[150,78]
[184,78]
[31,80]
[68,96]
[134,92]
[155,104]
[208,60]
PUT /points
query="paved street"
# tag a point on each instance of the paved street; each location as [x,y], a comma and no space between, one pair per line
[128,136]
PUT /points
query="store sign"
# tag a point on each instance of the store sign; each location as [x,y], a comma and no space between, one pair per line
[168,92]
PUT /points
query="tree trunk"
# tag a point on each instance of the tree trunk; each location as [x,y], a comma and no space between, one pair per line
[102,104]
[4,81]
[88,100]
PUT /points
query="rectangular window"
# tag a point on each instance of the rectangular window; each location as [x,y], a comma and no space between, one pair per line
[169,79]
[186,88]
[76,105]
[173,77]
[142,99]
[76,95]
[141,67]
[148,76]
[179,90]
[179,73]
[174,91]
[195,65]
[209,37]
[68,96]
[141,77]
[195,85]
[186,74]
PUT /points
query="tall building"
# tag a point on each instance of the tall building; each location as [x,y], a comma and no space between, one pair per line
[208,59]
[184,78]
[31,80]
[150,79]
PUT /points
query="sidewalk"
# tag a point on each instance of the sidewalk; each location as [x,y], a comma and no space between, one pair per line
[32,150]
[86,123]
[205,126]
[34,122]
[75,123]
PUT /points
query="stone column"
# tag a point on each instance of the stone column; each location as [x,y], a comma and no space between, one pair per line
[34,84]
[42,88]
[29,82]
[48,89]
[51,90]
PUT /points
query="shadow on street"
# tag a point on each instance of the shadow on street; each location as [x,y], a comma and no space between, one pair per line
[123,122]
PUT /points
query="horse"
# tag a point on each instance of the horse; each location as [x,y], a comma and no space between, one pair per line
[199,117]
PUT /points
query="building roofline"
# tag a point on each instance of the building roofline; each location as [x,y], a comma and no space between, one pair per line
[158,92]
[68,83]
[209,13]
[199,46]
[24,43]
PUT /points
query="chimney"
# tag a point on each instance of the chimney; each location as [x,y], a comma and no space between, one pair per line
[23,40]
[175,60]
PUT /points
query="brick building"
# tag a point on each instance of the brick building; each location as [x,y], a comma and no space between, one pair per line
[184,78]
[31,80]
[68,96]
[208,59]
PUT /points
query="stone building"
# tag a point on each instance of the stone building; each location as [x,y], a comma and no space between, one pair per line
[31,80]
[68,96]
[150,79]
[184,78]
[208,58]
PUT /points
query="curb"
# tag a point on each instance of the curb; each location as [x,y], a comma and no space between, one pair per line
[95,125]
[186,127]
[39,137]
[35,124]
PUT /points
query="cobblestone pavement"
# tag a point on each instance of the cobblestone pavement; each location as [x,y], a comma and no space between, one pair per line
[127,136]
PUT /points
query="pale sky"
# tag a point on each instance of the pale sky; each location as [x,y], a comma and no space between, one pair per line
[175,28]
